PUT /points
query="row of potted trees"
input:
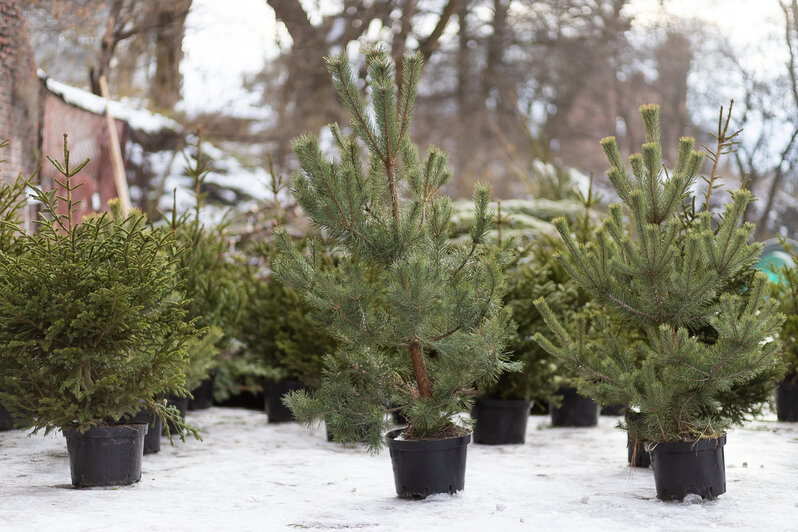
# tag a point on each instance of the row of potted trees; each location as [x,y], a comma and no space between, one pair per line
[667,315]
[657,309]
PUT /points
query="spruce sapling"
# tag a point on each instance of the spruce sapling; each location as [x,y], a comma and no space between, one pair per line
[92,326]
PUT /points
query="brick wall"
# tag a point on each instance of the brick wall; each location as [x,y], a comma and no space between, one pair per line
[20,100]
[88,139]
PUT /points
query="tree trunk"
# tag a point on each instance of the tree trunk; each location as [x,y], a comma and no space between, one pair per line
[107,47]
[420,370]
[19,93]
[171,25]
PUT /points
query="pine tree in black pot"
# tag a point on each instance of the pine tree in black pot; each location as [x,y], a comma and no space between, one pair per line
[675,277]
[92,328]
[785,291]
[419,319]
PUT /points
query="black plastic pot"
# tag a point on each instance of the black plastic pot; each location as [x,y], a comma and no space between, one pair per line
[425,467]
[681,468]
[574,411]
[500,421]
[181,403]
[613,410]
[106,456]
[152,441]
[787,401]
[203,394]
[6,422]
[275,409]
[637,456]
[244,399]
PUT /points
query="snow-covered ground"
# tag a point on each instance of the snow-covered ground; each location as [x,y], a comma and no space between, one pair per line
[249,475]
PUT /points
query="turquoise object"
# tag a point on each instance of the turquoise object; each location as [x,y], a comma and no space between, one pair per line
[774,257]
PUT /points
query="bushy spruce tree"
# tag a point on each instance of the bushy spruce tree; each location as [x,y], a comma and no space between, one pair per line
[92,326]
[419,318]
[672,277]
[534,274]
[12,202]
[279,331]
[207,276]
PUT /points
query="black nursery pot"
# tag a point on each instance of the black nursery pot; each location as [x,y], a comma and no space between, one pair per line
[6,422]
[106,456]
[203,394]
[152,441]
[696,467]
[181,403]
[425,467]
[574,411]
[275,409]
[787,401]
[613,410]
[637,456]
[245,399]
[500,421]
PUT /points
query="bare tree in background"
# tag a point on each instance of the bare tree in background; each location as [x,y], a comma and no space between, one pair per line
[773,110]
[170,18]
[116,39]
[297,85]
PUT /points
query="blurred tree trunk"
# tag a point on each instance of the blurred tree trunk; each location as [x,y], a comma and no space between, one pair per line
[170,20]
[305,99]
[19,94]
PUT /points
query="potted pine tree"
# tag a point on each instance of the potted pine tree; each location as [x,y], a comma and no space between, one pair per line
[675,276]
[785,291]
[92,327]
[419,319]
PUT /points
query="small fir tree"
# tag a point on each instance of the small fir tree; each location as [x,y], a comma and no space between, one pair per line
[279,331]
[535,274]
[91,324]
[12,202]
[277,327]
[207,276]
[673,277]
[419,318]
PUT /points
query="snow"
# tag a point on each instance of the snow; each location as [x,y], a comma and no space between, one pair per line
[137,118]
[250,475]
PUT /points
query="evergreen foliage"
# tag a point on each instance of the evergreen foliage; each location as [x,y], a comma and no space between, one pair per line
[674,277]
[92,326]
[419,318]
[12,201]
[207,277]
[279,331]
[786,293]
[535,274]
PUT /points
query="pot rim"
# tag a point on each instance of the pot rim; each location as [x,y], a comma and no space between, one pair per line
[424,445]
[704,444]
[109,431]
[503,403]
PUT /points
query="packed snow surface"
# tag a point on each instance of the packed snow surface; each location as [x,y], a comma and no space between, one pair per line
[251,475]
